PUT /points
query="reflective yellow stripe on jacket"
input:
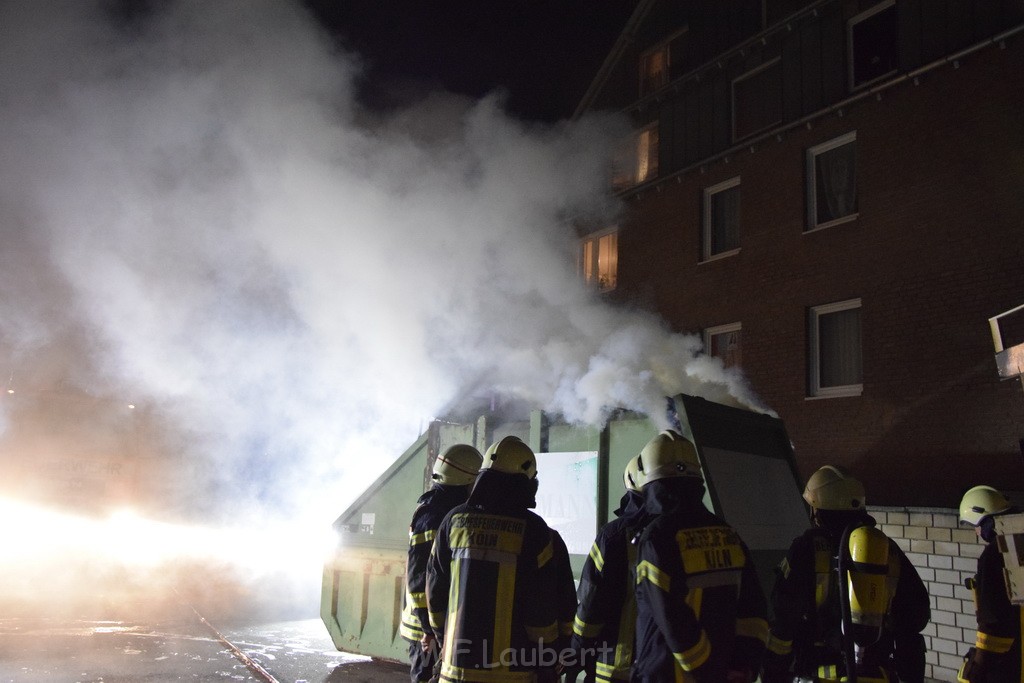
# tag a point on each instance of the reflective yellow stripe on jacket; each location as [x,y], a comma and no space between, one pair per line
[992,643]
[624,642]
[645,571]
[425,537]
[696,655]
[495,675]
[752,627]
[411,628]
[779,646]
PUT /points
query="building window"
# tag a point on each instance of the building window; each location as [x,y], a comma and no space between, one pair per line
[599,259]
[832,182]
[757,99]
[836,364]
[637,160]
[724,342]
[654,69]
[872,42]
[658,65]
[721,234]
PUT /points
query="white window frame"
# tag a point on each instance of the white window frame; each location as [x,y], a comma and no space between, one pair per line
[814,355]
[649,170]
[636,160]
[706,227]
[710,332]
[746,76]
[812,182]
[595,239]
[866,14]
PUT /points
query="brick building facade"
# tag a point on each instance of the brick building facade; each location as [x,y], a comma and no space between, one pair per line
[944,554]
[832,193]
[930,251]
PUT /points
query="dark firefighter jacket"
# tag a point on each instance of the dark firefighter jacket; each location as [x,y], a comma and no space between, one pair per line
[565,589]
[492,585]
[998,642]
[605,620]
[806,631]
[700,609]
[431,508]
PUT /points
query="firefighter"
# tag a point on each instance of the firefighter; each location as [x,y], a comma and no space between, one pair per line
[701,613]
[491,579]
[996,655]
[605,623]
[452,474]
[844,576]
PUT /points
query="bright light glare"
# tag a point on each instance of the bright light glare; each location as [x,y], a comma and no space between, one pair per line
[126,538]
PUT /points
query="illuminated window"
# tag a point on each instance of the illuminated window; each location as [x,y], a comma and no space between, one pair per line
[723,342]
[757,99]
[637,161]
[599,259]
[835,363]
[832,182]
[721,233]
[657,65]
[872,44]
[653,70]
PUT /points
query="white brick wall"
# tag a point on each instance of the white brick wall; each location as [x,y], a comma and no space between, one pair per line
[944,554]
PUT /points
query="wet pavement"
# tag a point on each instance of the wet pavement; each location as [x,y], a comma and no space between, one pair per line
[87,619]
[180,648]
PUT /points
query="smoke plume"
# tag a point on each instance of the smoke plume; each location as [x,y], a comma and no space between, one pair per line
[200,220]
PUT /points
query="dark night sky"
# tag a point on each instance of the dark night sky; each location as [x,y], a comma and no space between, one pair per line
[544,53]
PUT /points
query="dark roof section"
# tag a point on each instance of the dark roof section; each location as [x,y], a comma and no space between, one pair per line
[624,40]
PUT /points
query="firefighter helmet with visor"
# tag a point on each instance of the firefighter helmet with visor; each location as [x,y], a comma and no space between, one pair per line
[457,466]
[631,475]
[981,502]
[511,456]
[668,455]
[833,488]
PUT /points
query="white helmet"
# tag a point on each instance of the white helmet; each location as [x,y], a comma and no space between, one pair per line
[833,488]
[981,502]
[511,456]
[457,466]
[631,475]
[669,454]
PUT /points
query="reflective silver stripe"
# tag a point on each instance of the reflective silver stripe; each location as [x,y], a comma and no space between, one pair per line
[546,554]
[488,555]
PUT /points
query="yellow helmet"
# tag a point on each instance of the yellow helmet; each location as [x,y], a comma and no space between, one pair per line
[669,454]
[511,456]
[833,488]
[980,502]
[457,466]
[631,475]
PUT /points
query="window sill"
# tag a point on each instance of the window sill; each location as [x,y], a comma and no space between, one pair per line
[851,390]
[739,137]
[719,256]
[830,224]
[854,87]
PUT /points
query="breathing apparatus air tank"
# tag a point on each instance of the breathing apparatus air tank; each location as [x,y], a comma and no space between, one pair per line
[867,580]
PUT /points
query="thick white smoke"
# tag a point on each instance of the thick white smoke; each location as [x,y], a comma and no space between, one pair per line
[197,215]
